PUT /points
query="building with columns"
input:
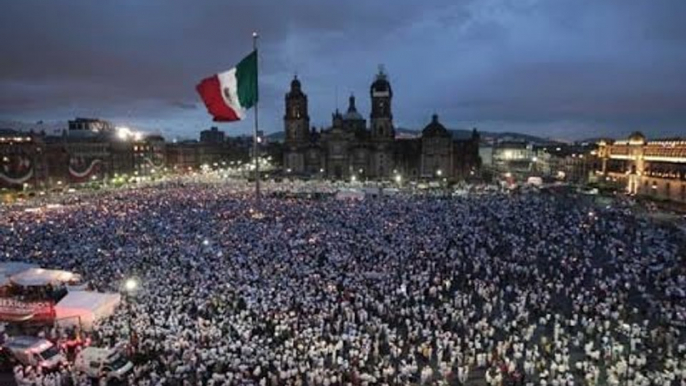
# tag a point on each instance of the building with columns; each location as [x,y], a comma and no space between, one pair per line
[351,148]
[650,168]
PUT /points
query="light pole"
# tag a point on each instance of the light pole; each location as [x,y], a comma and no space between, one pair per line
[439,174]
[130,287]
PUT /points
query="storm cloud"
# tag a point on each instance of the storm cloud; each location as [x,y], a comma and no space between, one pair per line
[559,68]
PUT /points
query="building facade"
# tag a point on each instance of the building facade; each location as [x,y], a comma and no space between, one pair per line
[92,125]
[352,148]
[89,150]
[649,168]
[213,135]
[22,160]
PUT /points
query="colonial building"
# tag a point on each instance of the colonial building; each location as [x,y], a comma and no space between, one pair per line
[352,148]
[90,150]
[22,160]
[650,168]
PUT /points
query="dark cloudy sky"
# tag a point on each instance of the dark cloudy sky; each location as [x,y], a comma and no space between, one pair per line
[558,68]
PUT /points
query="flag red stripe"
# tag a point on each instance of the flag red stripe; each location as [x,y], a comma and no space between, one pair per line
[210,92]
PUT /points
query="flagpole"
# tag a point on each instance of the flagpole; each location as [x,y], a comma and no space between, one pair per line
[255,134]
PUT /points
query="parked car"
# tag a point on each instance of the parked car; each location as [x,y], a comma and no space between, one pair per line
[97,362]
[32,351]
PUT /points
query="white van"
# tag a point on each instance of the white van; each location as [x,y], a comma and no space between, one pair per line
[96,362]
[32,351]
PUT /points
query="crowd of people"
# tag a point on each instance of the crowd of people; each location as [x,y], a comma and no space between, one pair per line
[495,289]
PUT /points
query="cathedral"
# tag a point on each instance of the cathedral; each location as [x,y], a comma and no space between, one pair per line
[350,148]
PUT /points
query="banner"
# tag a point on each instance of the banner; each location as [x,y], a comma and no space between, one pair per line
[16,167]
[81,168]
[15,310]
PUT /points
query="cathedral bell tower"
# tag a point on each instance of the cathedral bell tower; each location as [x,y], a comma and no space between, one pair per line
[381,116]
[296,120]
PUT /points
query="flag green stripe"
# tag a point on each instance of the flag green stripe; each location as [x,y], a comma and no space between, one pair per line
[246,80]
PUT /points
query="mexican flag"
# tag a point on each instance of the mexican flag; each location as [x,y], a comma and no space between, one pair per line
[229,94]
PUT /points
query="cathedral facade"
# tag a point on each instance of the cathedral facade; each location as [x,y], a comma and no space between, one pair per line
[351,148]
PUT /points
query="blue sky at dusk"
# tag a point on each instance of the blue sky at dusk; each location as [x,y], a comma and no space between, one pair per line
[554,68]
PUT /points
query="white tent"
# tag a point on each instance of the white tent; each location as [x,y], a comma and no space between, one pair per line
[350,194]
[9,268]
[371,191]
[83,308]
[41,277]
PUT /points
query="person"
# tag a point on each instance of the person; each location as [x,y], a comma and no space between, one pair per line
[493,288]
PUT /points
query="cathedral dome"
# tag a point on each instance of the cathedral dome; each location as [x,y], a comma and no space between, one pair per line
[295,83]
[435,129]
[381,86]
[637,138]
[352,114]
[296,87]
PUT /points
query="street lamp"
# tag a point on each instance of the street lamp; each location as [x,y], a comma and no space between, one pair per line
[439,172]
[130,285]
[398,178]
[123,133]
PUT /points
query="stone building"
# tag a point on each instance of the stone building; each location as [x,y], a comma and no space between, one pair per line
[22,160]
[649,168]
[351,147]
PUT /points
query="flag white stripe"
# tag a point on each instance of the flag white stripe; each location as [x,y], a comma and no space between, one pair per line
[229,83]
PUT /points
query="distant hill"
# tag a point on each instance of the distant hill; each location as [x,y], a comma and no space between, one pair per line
[55,128]
[592,140]
[279,136]
[512,136]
